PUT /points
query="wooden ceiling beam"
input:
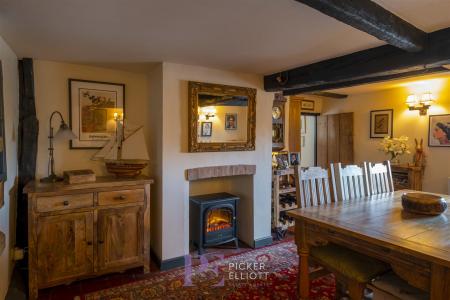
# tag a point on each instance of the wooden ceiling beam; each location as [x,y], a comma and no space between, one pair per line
[373,19]
[371,65]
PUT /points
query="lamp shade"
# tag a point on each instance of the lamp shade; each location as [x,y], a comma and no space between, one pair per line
[64,133]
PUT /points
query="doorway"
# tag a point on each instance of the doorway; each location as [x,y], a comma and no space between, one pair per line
[308,139]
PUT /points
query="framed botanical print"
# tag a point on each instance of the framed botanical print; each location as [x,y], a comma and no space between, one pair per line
[381,123]
[439,131]
[92,108]
[206,129]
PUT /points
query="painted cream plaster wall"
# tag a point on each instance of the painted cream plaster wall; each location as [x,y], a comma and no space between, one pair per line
[11,109]
[176,159]
[52,93]
[406,122]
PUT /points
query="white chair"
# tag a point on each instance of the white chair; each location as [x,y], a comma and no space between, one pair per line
[350,182]
[380,178]
[314,187]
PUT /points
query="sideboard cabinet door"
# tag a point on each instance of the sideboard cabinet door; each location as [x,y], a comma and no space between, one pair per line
[120,236]
[64,247]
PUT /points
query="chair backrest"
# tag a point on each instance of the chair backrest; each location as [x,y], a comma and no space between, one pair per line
[380,178]
[312,186]
[350,182]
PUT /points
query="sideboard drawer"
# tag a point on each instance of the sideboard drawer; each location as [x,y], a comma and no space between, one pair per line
[123,196]
[56,203]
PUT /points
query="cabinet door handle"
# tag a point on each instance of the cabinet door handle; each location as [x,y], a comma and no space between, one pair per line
[100,242]
[121,197]
[66,202]
[89,243]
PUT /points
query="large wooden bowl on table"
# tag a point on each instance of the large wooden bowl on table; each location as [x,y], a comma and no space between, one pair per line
[423,203]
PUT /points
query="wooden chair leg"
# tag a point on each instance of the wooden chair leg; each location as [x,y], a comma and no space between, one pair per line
[356,290]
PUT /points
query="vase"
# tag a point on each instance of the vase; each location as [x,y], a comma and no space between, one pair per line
[394,159]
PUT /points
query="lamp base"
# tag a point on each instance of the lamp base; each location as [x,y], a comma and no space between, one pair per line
[51,179]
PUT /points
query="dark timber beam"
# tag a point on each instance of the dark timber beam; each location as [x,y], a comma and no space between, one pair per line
[372,18]
[371,65]
[325,94]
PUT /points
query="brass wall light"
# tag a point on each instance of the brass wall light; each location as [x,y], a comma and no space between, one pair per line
[421,103]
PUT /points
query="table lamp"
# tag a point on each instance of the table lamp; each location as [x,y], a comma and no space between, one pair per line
[63,133]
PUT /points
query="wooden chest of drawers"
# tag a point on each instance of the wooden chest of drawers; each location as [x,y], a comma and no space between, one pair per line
[78,231]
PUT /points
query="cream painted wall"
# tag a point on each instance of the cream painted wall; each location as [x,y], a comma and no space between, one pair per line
[51,90]
[176,159]
[11,109]
[406,122]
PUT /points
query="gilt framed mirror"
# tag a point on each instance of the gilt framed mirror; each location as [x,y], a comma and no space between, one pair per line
[221,117]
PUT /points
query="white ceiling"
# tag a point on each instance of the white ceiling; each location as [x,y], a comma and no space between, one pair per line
[255,36]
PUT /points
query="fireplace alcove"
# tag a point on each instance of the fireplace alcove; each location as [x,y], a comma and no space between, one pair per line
[234,185]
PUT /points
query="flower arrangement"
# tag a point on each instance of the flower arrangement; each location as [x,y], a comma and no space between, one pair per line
[395,147]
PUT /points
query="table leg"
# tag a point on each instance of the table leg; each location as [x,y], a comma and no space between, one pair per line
[303,253]
[440,278]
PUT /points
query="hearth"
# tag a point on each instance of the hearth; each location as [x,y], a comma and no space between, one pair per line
[212,220]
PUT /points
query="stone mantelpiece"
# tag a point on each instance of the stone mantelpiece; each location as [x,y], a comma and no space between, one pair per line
[219,171]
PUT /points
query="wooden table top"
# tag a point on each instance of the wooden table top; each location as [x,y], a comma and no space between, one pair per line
[381,220]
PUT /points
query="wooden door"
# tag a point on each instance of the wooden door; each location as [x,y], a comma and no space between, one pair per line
[120,236]
[346,138]
[64,247]
[322,141]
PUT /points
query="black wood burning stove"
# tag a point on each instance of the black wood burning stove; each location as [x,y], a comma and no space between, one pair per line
[212,220]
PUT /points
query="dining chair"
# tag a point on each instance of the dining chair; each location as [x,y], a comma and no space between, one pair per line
[350,182]
[380,177]
[352,269]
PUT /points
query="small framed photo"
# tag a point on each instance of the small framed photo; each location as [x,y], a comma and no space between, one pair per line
[308,105]
[439,131]
[381,123]
[230,121]
[282,160]
[206,129]
[294,158]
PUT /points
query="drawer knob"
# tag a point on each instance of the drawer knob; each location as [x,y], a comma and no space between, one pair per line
[89,243]
[66,202]
[121,197]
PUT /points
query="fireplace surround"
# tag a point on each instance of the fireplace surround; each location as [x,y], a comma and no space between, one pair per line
[212,220]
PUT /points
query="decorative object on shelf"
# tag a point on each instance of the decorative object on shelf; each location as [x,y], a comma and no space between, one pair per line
[125,154]
[282,159]
[63,133]
[226,107]
[439,131]
[308,105]
[278,119]
[231,121]
[206,130]
[92,108]
[419,158]
[79,176]
[424,203]
[381,123]
[294,158]
[421,103]
[395,147]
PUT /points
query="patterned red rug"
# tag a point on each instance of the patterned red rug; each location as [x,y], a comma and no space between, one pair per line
[265,273]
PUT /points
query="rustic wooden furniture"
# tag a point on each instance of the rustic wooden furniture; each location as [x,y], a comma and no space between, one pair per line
[335,139]
[295,110]
[352,270]
[380,178]
[77,231]
[282,184]
[415,246]
[407,177]
[349,182]
[220,95]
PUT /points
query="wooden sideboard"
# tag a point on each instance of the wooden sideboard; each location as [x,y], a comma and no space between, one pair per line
[77,231]
[407,177]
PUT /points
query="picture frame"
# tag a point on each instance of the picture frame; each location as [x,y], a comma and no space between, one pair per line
[381,123]
[231,121]
[206,129]
[294,158]
[92,105]
[308,105]
[439,131]
[282,159]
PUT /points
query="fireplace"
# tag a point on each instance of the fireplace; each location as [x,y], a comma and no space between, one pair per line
[212,220]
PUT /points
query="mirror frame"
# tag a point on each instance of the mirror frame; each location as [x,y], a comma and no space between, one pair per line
[196,88]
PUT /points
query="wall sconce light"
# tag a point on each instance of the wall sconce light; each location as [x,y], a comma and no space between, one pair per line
[208,112]
[422,103]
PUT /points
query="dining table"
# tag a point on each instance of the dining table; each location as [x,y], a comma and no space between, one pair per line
[416,246]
